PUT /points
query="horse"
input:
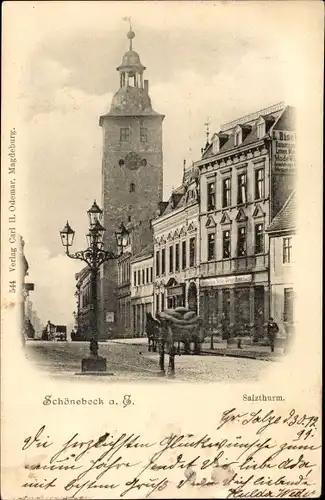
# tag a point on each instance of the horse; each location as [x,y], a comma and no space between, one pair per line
[152,331]
[169,334]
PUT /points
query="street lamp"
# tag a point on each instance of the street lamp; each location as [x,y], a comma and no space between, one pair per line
[94,256]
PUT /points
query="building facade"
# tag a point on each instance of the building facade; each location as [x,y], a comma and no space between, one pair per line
[141,289]
[282,242]
[132,165]
[246,175]
[83,295]
[139,237]
[176,236]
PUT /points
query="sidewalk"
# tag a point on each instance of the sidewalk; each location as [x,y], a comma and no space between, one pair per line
[221,349]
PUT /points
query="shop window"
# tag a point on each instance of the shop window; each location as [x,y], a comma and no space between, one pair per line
[184,255]
[163,261]
[171,259]
[211,246]
[242,307]
[241,242]
[288,305]
[226,192]
[242,188]
[143,134]
[287,250]
[259,238]
[192,252]
[226,245]
[211,196]
[124,134]
[177,257]
[259,183]
[157,263]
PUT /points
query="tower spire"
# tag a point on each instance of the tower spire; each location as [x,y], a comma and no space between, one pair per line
[131,33]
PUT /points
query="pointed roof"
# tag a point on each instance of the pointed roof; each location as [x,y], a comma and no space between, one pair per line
[285,218]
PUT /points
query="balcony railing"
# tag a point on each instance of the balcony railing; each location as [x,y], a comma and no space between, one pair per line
[228,266]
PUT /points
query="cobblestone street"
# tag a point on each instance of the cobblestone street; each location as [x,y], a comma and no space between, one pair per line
[134,363]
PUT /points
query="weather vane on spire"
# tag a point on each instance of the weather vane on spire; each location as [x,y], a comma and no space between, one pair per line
[131,33]
[207,129]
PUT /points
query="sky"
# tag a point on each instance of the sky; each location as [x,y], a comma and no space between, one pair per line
[204,60]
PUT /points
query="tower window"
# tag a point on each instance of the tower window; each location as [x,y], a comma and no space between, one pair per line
[143,134]
[124,134]
[132,187]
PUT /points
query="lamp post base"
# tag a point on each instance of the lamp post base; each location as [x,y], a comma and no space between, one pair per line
[93,364]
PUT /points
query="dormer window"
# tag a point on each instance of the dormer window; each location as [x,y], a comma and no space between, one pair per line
[237,138]
[215,144]
[260,128]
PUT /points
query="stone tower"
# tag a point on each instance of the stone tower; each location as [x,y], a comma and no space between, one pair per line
[132,165]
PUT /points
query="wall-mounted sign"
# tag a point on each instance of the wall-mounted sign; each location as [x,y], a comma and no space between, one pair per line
[110,317]
[226,280]
[284,150]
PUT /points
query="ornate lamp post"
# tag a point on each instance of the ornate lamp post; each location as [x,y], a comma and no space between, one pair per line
[94,256]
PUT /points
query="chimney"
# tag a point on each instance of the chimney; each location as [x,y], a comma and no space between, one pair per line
[146,86]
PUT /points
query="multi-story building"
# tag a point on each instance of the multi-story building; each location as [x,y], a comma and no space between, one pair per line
[141,289]
[84,311]
[246,175]
[139,235]
[132,166]
[281,233]
[176,247]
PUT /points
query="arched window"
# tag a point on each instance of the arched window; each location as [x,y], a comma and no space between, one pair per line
[132,187]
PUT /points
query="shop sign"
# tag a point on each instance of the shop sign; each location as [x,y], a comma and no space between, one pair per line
[226,280]
[284,150]
[175,290]
[110,317]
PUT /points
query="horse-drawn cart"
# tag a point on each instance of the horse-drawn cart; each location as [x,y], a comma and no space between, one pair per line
[177,326]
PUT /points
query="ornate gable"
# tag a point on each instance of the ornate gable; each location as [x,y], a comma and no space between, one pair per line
[182,231]
[176,234]
[225,219]
[258,212]
[191,227]
[210,222]
[241,216]
[169,237]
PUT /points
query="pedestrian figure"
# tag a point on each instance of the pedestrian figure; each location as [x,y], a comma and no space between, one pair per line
[272,330]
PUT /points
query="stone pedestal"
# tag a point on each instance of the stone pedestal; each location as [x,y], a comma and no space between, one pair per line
[93,364]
